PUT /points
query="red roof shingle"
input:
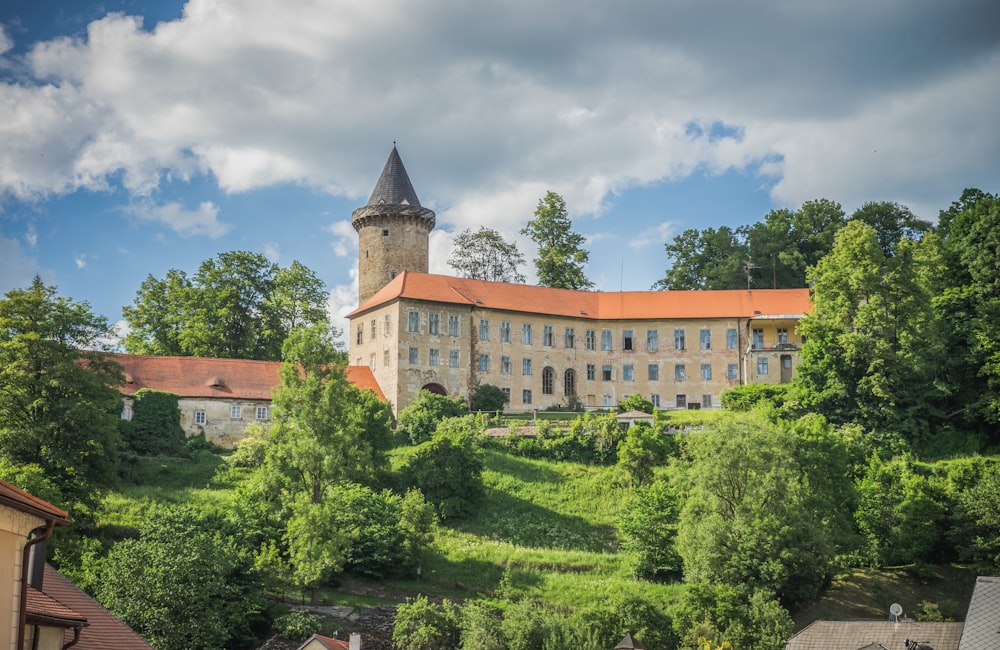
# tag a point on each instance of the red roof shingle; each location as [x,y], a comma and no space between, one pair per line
[595,305]
[216,378]
[17,498]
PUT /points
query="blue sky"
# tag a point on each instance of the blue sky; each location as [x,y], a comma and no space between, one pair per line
[138,136]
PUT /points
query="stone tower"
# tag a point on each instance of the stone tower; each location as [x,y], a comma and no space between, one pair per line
[393,230]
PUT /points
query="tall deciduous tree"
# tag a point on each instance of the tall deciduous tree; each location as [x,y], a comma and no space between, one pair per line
[58,405]
[707,259]
[486,255]
[560,258]
[238,305]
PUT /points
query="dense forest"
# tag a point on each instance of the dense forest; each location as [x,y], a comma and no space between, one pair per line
[709,532]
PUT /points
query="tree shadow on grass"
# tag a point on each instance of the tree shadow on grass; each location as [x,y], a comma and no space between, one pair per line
[507,518]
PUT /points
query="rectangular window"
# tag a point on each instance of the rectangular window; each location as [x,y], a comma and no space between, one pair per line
[505,331]
[414,356]
[526,333]
[606,373]
[548,338]
[387,325]
[433,323]
[200,418]
[628,372]
[590,337]
[626,339]
[361,334]
[453,359]
[652,340]
[732,372]
[678,339]
[261,413]
[235,412]
[706,372]
[731,338]
[506,392]
[413,322]
[525,366]
[505,365]
[434,357]
[654,372]
[758,338]
[127,413]
[761,365]
[371,361]
[607,400]
[705,339]
[605,340]
[655,399]
[706,401]
[782,336]
[452,325]
[484,329]
[680,373]
[681,401]
[570,337]
[591,372]
[373,329]
[526,396]
[385,358]
[484,362]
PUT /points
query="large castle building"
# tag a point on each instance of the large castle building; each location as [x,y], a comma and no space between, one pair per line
[542,346]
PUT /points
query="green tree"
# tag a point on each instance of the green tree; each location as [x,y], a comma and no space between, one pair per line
[238,305]
[892,224]
[648,529]
[874,345]
[749,517]
[59,408]
[317,546]
[182,584]
[156,424]
[787,242]
[642,449]
[486,255]
[560,258]
[707,259]
[487,398]
[636,402]
[421,416]
[448,468]
[423,625]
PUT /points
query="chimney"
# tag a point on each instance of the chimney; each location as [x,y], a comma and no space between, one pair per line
[36,560]
[355,641]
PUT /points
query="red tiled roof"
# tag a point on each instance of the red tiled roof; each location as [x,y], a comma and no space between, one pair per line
[331,644]
[216,378]
[595,305]
[20,500]
[40,605]
[104,631]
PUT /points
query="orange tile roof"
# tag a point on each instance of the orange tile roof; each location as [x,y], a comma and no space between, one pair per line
[43,606]
[331,644]
[104,630]
[216,378]
[18,499]
[596,305]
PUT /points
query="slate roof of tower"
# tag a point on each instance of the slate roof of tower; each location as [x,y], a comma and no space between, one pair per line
[982,621]
[393,186]
[595,305]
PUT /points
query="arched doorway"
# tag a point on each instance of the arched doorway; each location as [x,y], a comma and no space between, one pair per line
[569,382]
[437,389]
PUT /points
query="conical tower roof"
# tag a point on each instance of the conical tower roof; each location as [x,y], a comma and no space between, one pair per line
[393,186]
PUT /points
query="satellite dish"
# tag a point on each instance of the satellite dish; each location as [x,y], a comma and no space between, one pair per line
[895,609]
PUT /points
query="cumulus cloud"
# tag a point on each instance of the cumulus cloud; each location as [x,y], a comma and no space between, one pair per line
[186,223]
[272,252]
[344,238]
[844,100]
[658,235]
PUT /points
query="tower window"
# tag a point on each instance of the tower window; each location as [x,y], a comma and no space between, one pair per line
[385,232]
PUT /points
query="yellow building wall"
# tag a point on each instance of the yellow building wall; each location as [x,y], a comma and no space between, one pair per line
[14,528]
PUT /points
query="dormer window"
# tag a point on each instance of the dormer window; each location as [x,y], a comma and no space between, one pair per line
[216,382]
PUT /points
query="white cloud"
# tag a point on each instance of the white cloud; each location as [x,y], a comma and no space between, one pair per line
[584,101]
[272,252]
[81,260]
[344,238]
[31,235]
[343,299]
[6,43]
[657,236]
[186,223]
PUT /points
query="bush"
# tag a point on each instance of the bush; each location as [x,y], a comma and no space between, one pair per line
[747,396]
[155,429]
[636,402]
[448,468]
[488,398]
[421,417]
[297,625]
[423,625]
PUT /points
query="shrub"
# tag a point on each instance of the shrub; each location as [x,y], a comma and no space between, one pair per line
[155,428]
[636,402]
[297,625]
[421,417]
[487,397]
[747,396]
[448,468]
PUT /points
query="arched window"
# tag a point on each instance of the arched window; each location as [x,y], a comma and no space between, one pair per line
[569,382]
[548,379]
